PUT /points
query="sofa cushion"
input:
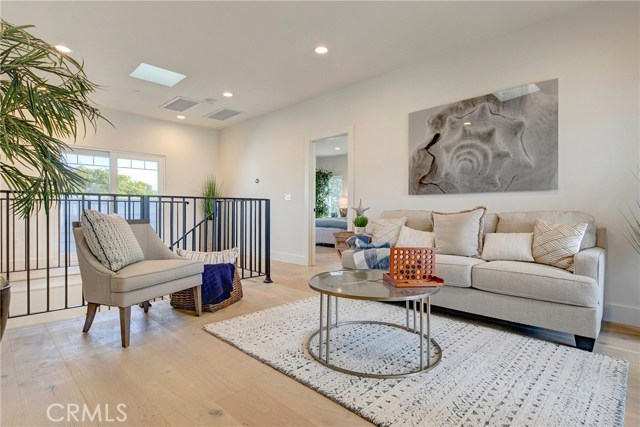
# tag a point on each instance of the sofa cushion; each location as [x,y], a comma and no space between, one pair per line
[507,247]
[459,233]
[153,272]
[110,239]
[556,244]
[535,281]
[523,222]
[416,219]
[456,270]
[410,238]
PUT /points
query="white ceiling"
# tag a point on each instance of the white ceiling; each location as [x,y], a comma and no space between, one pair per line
[260,51]
[327,147]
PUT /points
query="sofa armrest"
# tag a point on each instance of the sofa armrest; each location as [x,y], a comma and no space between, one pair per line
[590,263]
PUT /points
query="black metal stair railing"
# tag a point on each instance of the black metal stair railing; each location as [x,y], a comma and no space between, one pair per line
[37,255]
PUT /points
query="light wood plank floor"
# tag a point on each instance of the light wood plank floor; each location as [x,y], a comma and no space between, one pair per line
[174,373]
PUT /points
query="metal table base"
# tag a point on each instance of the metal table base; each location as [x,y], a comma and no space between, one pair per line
[420,315]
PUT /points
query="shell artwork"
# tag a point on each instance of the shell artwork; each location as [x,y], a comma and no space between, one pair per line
[486,144]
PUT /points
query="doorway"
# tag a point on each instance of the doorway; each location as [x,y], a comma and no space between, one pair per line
[331,191]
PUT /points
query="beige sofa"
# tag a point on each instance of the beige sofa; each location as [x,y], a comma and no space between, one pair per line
[523,292]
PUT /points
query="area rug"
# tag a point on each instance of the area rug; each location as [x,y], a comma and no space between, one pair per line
[487,376]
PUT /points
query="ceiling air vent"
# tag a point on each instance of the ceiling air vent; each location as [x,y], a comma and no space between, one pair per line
[222,114]
[179,104]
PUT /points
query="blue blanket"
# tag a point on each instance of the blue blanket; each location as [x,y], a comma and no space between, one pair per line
[332,223]
[217,282]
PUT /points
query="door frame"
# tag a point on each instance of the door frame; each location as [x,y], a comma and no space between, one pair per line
[310,184]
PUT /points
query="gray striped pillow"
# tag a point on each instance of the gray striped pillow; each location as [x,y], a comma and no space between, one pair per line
[556,244]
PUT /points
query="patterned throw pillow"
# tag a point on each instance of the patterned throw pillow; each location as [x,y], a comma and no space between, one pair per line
[459,233]
[387,229]
[556,244]
[110,239]
[228,256]
[410,238]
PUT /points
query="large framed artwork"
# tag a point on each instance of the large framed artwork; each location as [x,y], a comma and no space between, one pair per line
[504,141]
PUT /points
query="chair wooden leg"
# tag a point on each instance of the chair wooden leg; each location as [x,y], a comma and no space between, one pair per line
[125,325]
[92,308]
[146,305]
[197,299]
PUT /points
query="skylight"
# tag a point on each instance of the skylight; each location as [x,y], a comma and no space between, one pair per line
[157,75]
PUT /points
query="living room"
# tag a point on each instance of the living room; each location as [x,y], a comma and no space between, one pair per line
[592,48]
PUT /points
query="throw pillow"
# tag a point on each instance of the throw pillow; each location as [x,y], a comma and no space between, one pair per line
[507,247]
[556,244]
[110,239]
[410,238]
[360,245]
[459,233]
[387,230]
[227,256]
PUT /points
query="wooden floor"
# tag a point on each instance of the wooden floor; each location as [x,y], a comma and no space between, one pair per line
[174,373]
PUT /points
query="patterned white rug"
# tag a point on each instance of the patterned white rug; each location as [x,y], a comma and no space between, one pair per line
[486,376]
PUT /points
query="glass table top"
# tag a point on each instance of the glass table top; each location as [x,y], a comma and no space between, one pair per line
[365,284]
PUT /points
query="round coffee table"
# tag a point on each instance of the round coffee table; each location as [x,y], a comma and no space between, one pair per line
[368,285]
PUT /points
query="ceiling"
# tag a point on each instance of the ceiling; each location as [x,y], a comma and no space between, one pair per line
[262,51]
[327,147]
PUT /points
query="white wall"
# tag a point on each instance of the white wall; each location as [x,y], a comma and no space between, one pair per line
[593,51]
[191,153]
[338,165]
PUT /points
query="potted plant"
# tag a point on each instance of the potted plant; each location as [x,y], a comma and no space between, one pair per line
[211,190]
[44,105]
[360,224]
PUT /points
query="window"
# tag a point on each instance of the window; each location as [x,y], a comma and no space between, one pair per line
[117,172]
[335,193]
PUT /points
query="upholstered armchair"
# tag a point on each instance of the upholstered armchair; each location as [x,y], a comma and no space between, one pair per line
[160,273]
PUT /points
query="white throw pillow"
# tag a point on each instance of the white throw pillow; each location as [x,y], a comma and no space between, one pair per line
[410,238]
[387,230]
[228,256]
[459,233]
[507,247]
[556,244]
[110,239]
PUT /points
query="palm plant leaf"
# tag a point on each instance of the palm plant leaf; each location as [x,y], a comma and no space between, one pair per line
[44,103]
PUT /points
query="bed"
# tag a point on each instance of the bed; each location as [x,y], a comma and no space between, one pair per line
[325,227]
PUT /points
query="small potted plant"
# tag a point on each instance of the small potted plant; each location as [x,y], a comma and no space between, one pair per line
[360,224]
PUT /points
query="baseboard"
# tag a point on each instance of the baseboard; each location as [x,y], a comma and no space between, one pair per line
[619,327]
[290,258]
[622,314]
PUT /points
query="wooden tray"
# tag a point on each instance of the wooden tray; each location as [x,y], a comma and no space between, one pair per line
[431,281]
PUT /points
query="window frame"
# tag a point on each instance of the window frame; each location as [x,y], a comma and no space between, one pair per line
[114,155]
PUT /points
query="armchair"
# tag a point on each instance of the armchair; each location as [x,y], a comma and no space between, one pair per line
[160,273]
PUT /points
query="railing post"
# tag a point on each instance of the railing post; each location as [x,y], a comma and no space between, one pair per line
[267,241]
[145,207]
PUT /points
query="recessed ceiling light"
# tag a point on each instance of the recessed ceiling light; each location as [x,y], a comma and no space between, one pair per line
[62,48]
[181,117]
[337,148]
[153,74]
[322,50]
[227,94]
[466,123]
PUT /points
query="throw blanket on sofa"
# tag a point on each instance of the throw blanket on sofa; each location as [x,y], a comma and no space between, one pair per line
[372,259]
[217,282]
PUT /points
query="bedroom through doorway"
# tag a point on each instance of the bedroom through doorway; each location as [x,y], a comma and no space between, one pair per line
[330,191]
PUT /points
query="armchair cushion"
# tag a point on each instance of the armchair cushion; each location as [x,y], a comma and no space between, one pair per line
[153,272]
[110,239]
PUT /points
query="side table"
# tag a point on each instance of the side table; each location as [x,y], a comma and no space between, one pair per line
[341,241]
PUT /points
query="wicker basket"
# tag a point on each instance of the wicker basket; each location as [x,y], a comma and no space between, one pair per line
[183,300]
